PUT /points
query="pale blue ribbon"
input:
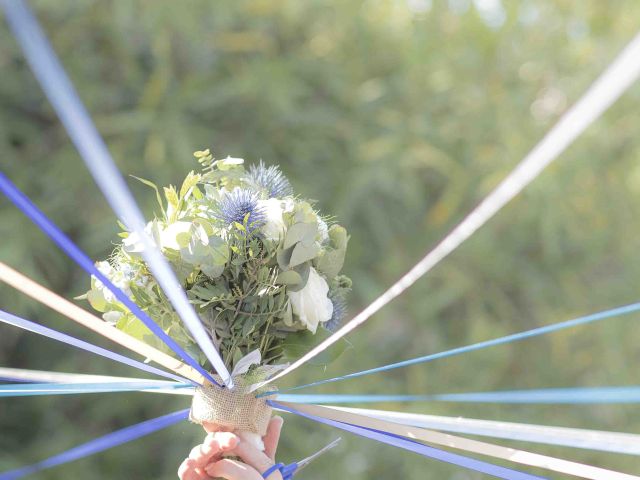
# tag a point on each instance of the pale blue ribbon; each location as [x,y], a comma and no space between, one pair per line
[624,310]
[599,395]
[66,102]
[38,389]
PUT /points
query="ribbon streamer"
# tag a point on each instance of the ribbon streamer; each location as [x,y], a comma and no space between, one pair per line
[616,442]
[69,340]
[100,444]
[60,91]
[611,84]
[569,396]
[40,376]
[45,296]
[77,255]
[598,395]
[310,399]
[595,317]
[39,389]
[412,446]
[496,451]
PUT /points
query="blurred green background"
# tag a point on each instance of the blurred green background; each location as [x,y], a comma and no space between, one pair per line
[397,117]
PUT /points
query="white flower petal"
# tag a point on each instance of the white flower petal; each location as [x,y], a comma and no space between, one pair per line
[311,304]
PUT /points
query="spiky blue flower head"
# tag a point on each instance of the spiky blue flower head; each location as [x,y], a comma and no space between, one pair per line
[270,179]
[238,205]
[339,313]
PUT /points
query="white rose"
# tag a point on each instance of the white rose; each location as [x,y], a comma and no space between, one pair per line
[273,209]
[311,304]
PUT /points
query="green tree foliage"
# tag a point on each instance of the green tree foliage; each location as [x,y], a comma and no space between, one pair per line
[397,117]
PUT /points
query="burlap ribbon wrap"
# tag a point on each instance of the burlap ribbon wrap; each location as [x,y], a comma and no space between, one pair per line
[236,409]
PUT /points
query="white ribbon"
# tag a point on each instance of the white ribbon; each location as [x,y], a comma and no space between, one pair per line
[615,80]
[627,443]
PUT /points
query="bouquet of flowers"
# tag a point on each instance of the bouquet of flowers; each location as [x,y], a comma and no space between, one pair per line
[260,264]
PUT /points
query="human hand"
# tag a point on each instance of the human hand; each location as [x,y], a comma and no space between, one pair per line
[206,460]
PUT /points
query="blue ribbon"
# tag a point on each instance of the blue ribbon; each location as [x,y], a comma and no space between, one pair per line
[78,256]
[60,91]
[69,340]
[100,444]
[416,447]
[38,389]
[598,395]
[595,317]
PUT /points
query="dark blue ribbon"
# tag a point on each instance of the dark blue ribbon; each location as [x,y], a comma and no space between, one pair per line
[100,444]
[34,214]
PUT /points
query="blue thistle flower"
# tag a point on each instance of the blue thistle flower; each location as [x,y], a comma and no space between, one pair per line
[339,313]
[270,179]
[239,203]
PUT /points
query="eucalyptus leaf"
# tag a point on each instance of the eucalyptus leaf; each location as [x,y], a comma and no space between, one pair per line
[303,252]
[331,260]
[302,270]
[289,277]
[300,232]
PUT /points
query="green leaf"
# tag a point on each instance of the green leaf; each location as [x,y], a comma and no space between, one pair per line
[284,257]
[96,300]
[190,181]
[289,277]
[331,260]
[149,183]
[303,271]
[133,326]
[303,252]
[171,196]
[300,232]
[212,271]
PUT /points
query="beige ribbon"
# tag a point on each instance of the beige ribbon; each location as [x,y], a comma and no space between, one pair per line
[496,451]
[36,291]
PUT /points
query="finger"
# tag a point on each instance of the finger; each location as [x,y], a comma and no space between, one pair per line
[272,437]
[234,470]
[189,471]
[214,444]
[248,453]
[214,427]
[219,442]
